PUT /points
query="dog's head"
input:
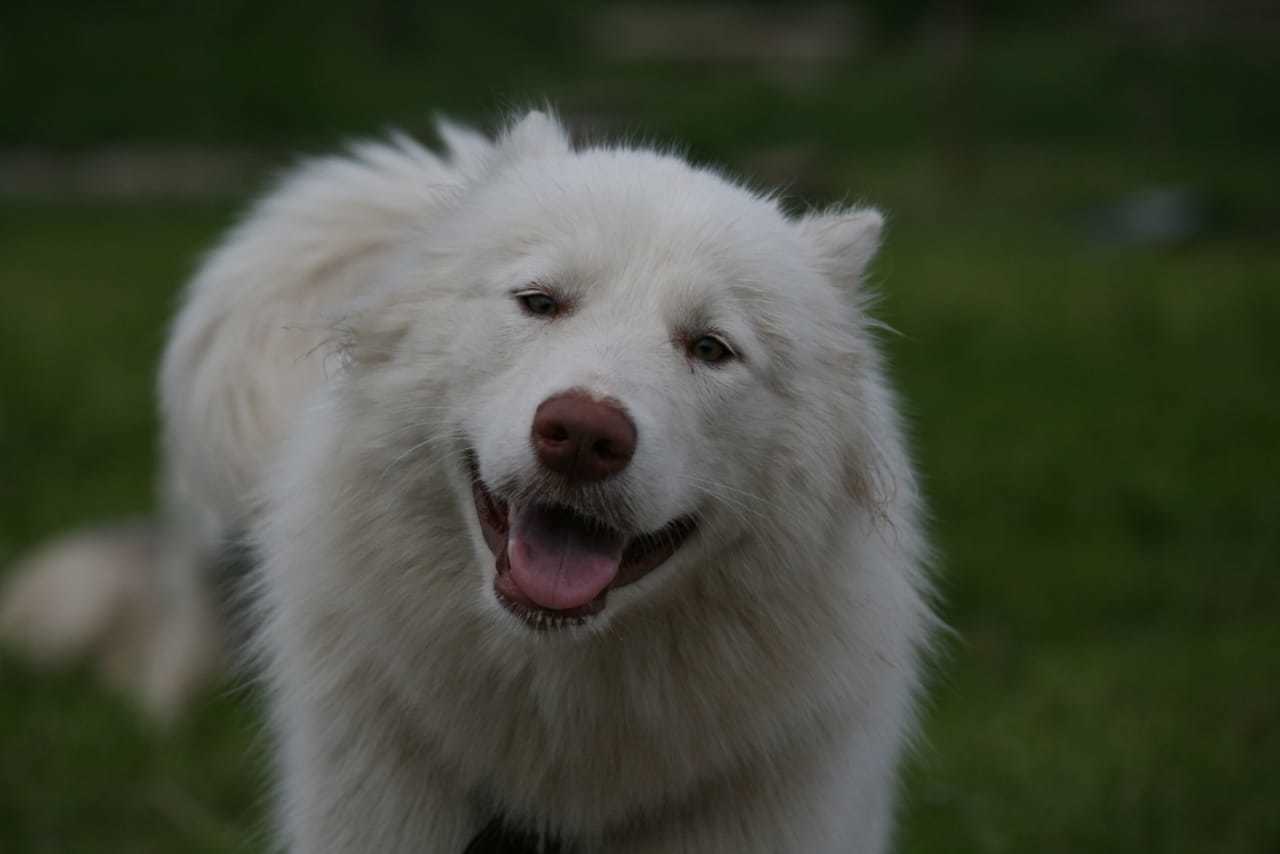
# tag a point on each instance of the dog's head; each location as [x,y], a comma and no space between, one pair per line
[641,358]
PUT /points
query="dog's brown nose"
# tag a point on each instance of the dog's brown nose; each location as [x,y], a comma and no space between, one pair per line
[581,438]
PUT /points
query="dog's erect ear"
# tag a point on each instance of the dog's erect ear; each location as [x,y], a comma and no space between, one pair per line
[846,240]
[537,134]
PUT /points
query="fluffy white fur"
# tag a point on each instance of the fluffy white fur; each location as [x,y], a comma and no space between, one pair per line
[357,334]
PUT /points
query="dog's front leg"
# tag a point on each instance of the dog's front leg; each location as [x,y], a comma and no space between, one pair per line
[355,781]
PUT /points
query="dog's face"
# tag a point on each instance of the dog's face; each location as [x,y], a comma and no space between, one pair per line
[630,345]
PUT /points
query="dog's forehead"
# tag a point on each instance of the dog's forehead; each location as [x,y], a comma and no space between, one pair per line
[618,217]
[637,203]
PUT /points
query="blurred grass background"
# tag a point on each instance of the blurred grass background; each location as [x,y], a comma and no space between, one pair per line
[1083,261]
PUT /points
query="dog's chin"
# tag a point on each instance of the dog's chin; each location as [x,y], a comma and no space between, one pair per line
[554,566]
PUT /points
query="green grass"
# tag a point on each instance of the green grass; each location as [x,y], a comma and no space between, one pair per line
[1097,426]
[1098,429]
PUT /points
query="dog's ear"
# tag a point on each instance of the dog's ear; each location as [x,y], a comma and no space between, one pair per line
[846,240]
[537,134]
[370,336]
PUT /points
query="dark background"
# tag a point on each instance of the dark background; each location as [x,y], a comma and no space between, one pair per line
[1082,262]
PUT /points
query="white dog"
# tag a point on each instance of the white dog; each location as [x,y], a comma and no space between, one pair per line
[577,498]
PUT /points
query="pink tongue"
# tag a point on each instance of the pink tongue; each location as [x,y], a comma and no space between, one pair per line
[557,560]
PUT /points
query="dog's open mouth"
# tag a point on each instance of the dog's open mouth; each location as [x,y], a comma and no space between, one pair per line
[554,566]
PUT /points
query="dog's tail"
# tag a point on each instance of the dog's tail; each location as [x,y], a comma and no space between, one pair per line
[123,597]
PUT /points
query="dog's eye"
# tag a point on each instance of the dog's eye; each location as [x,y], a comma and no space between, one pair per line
[538,303]
[709,349]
